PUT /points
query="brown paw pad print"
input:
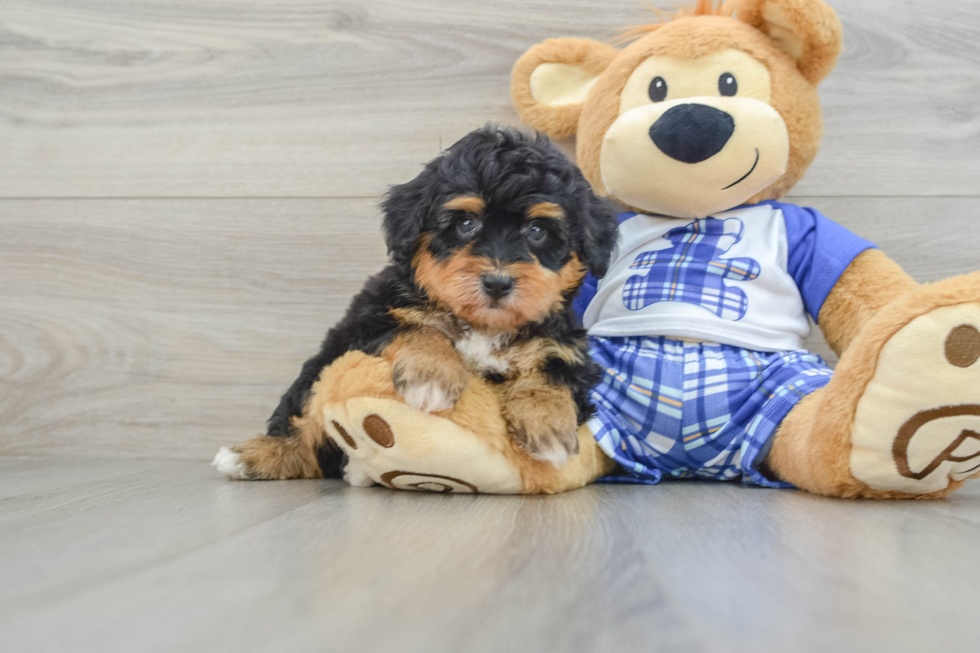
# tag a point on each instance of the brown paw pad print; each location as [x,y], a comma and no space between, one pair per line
[375,432]
[962,349]
[917,422]
[963,345]
[378,430]
[426,482]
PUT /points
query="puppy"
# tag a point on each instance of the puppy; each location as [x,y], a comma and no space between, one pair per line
[488,246]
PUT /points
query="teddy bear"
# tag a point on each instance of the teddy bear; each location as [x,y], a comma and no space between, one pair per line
[698,127]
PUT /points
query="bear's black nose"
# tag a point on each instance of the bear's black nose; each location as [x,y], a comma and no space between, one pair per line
[496,286]
[692,133]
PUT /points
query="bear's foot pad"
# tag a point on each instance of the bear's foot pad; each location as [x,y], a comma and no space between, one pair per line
[917,426]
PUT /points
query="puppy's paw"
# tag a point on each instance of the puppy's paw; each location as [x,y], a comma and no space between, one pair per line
[550,445]
[429,387]
[428,397]
[356,478]
[544,424]
[230,464]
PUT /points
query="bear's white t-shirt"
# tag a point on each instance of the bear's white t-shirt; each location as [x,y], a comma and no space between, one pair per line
[745,277]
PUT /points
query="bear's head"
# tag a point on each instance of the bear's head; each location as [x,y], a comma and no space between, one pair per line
[711,110]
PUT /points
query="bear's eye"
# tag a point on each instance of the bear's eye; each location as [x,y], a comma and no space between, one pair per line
[467,226]
[658,89]
[727,85]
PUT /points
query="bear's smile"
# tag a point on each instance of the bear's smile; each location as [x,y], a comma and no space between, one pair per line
[747,174]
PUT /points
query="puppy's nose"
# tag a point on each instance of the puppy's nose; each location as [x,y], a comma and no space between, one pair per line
[497,286]
[692,133]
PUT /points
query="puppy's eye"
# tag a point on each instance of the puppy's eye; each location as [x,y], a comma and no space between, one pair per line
[727,85]
[536,233]
[467,226]
[658,89]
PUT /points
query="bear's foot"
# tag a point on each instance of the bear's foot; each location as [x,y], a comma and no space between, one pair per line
[464,450]
[900,419]
[917,424]
[392,444]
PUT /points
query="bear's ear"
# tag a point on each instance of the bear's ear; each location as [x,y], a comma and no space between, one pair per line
[550,82]
[808,30]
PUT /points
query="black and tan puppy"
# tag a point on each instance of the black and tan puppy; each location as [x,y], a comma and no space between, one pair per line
[488,246]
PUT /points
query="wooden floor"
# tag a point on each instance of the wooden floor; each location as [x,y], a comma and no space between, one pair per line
[188,194]
[114,555]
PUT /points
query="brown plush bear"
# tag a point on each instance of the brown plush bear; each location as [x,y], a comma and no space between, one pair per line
[716,114]
[700,125]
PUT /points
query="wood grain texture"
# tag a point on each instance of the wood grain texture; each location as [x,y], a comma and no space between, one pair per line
[166,556]
[235,98]
[170,327]
[160,325]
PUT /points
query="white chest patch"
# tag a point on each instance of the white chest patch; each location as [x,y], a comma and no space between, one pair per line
[479,352]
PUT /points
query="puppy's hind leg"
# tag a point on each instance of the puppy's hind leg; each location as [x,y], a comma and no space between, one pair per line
[276,458]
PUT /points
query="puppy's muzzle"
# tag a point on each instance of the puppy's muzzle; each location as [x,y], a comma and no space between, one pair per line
[692,133]
[497,286]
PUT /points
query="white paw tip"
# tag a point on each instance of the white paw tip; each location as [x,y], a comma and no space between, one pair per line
[356,478]
[554,453]
[229,463]
[428,397]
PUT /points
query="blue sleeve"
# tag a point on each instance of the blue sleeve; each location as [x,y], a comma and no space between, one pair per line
[819,252]
[585,295]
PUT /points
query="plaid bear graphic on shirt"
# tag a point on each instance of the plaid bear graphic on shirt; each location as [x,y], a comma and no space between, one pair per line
[693,270]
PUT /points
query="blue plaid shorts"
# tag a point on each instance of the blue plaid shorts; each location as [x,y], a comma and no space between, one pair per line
[695,410]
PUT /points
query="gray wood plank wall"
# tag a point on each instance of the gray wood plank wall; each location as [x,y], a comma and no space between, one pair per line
[188,189]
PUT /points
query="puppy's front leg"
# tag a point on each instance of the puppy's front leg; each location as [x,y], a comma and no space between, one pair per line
[542,418]
[426,369]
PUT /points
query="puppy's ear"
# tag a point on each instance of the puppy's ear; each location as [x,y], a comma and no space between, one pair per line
[600,233]
[405,208]
[550,82]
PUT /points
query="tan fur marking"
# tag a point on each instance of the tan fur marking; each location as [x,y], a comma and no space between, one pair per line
[468,203]
[440,320]
[540,415]
[426,341]
[539,291]
[425,355]
[454,284]
[278,459]
[530,355]
[546,210]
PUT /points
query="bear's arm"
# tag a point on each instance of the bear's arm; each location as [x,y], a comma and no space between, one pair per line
[869,283]
[843,278]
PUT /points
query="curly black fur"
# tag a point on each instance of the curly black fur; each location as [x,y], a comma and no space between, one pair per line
[511,170]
